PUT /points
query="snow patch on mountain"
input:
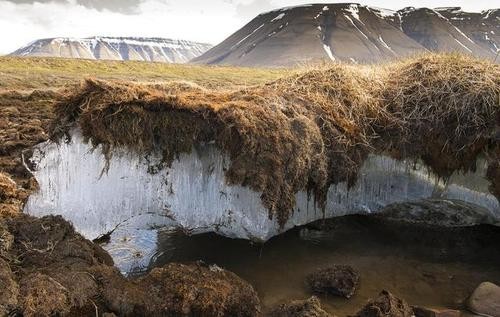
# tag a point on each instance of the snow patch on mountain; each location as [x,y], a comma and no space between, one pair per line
[278,17]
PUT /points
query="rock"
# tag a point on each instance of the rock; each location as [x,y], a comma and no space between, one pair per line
[430,312]
[485,300]
[300,308]
[386,305]
[340,280]
[437,212]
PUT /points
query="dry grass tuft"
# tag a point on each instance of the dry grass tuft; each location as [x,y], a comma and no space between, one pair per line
[448,107]
[11,197]
[309,130]
[300,308]
[181,290]
[42,295]
[24,118]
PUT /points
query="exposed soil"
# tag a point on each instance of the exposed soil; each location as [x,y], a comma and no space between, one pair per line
[300,308]
[11,197]
[386,305]
[24,119]
[340,280]
[306,131]
[51,266]
[181,290]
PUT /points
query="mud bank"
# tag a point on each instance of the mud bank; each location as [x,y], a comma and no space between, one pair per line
[47,269]
[193,193]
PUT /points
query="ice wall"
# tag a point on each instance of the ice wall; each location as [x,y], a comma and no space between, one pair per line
[193,194]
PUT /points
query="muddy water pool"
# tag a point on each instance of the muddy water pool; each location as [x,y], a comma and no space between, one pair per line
[433,267]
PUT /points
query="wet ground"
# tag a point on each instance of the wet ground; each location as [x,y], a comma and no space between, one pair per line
[433,267]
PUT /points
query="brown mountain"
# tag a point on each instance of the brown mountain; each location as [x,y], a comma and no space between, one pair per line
[482,28]
[356,33]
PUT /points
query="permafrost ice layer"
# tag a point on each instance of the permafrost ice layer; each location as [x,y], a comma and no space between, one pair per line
[192,193]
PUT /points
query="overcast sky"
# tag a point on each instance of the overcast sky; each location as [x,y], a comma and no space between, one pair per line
[210,21]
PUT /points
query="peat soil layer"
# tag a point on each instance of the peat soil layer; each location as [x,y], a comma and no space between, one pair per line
[427,266]
[308,131]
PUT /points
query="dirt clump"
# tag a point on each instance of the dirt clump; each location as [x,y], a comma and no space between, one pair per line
[11,196]
[42,295]
[49,269]
[386,305]
[300,308]
[9,287]
[182,290]
[24,119]
[52,265]
[339,280]
[307,131]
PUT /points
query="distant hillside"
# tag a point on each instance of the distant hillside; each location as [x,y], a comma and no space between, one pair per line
[355,33]
[116,48]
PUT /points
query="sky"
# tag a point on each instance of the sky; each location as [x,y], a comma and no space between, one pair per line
[208,21]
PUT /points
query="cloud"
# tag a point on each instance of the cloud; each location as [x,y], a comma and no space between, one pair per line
[190,20]
[248,10]
[122,6]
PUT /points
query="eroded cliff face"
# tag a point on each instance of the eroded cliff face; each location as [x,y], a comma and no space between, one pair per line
[129,197]
[254,162]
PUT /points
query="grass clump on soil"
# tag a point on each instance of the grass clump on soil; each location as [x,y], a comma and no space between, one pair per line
[182,290]
[24,118]
[300,308]
[338,280]
[11,197]
[309,130]
[47,269]
[386,305]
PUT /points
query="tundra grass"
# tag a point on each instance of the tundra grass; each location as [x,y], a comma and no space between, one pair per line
[21,73]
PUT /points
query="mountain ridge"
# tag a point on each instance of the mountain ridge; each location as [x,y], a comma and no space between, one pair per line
[153,49]
[355,33]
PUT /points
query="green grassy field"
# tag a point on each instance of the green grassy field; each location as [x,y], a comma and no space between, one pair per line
[17,73]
